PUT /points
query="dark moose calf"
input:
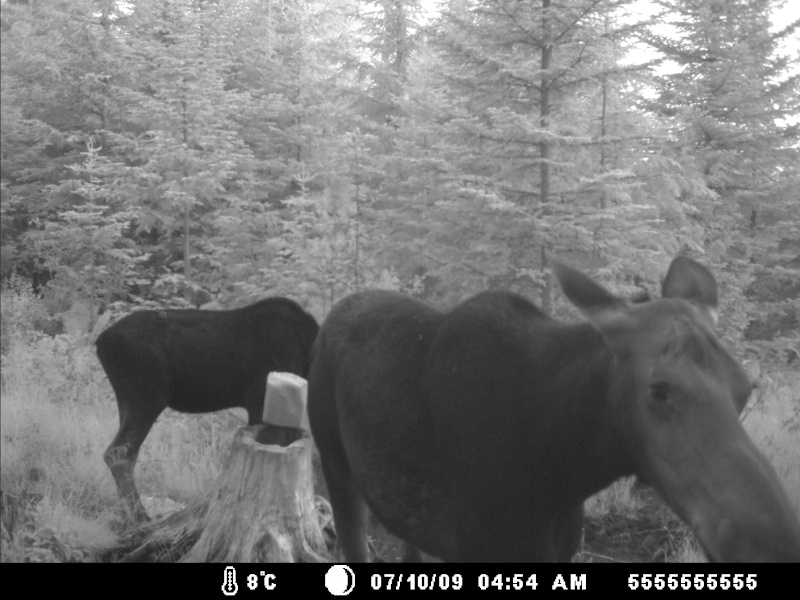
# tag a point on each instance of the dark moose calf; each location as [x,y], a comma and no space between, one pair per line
[195,361]
[476,435]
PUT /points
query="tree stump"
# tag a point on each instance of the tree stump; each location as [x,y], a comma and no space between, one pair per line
[261,508]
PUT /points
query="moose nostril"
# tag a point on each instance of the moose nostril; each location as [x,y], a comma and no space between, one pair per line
[659,391]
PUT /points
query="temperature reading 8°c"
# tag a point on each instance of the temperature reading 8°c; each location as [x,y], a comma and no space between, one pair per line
[253,580]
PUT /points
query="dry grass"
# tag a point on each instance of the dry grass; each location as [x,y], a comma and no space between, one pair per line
[773,421]
[57,416]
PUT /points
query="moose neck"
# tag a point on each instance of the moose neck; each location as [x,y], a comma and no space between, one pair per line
[571,395]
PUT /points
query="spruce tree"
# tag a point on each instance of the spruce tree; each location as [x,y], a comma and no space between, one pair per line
[733,99]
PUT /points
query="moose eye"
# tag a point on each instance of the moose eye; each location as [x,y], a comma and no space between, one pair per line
[659,391]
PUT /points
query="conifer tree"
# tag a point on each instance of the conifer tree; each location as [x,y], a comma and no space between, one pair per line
[527,157]
[733,100]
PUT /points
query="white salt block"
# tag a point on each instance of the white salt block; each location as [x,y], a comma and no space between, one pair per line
[285,401]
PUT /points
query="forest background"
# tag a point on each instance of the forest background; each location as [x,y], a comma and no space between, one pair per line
[174,152]
[209,153]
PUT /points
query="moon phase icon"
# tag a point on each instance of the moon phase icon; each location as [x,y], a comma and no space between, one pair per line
[340,580]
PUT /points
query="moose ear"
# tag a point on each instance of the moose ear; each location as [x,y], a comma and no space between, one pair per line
[688,279]
[591,298]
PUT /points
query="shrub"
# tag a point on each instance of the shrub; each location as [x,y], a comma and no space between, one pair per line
[23,316]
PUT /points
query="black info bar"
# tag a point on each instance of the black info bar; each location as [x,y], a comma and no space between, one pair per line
[253,580]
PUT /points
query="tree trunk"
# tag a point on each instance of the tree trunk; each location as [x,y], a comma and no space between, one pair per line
[261,509]
[544,102]
[547,291]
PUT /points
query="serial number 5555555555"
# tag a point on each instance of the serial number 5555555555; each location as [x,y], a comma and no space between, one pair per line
[688,581]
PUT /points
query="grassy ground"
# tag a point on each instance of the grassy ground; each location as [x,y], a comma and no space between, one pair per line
[57,416]
[59,502]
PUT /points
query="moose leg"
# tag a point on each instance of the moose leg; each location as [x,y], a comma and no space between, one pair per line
[121,455]
[350,513]
[412,554]
[567,533]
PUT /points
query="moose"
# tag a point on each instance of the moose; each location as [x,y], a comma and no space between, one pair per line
[477,434]
[195,361]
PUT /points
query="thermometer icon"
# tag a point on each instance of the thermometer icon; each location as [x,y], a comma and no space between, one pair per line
[230,587]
